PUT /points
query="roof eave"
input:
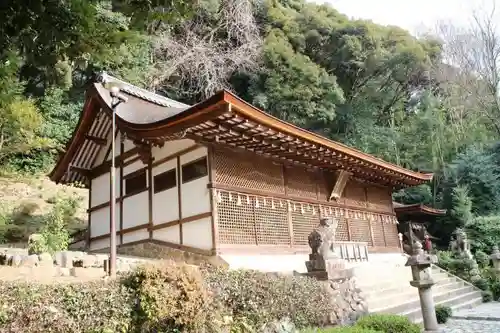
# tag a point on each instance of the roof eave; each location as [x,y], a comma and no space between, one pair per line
[259,115]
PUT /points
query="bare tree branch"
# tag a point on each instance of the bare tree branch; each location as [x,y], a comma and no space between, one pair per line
[472,65]
[201,61]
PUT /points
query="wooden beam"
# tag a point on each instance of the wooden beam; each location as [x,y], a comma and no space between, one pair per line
[340,183]
[82,171]
[96,140]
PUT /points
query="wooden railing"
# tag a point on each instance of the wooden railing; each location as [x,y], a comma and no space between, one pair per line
[352,251]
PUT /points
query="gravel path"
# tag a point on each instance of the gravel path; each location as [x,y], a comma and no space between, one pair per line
[482,319]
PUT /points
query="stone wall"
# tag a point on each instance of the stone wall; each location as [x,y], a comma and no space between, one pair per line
[348,300]
[62,264]
[158,251]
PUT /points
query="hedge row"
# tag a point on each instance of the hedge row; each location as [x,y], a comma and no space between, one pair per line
[170,298]
[376,323]
[177,298]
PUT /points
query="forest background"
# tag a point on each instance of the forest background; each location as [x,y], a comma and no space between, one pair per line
[428,102]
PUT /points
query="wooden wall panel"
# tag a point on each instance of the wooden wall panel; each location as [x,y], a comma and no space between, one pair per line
[301,183]
[354,194]
[269,204]
[379,198]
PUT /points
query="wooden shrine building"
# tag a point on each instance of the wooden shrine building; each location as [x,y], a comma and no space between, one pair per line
[413,222]
[224,178]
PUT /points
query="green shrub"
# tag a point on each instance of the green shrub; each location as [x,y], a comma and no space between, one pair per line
[482,284]
[487,296]
[54,235]
[388,323]
[347,329]
[443,313]
[261,297]
[493,281]
[444,259]
[169,297]
[483,260]
[62,308]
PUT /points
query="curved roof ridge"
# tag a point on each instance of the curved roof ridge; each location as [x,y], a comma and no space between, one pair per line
[136,91]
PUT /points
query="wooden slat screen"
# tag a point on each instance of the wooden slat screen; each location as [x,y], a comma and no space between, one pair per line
[245,219]
[245,172]
[251,219]
[378,232]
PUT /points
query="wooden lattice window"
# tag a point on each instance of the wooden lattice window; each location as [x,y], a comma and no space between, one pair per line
[165,181]
[271,221]
[391,235]
[236,219]
[194,170]
[304,219]
[342,229]
[360,230]
[378,232]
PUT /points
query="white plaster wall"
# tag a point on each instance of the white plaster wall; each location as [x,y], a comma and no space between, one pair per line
[135,210]
[100,244]
[169,165]
[171,147]
[198,233]
[296,262]
[165,203]
[135,236]
[100,221]
[166,206]
[170,234]
[128,145]
[193,155]
[195,197]
[100,190]
[268,263]
[133,167]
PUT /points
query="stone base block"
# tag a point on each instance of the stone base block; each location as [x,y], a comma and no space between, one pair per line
[340,274]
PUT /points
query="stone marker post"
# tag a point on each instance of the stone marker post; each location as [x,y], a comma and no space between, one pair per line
[421,267]
[495,258]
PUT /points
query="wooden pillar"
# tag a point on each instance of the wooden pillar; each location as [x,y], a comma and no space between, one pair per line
[289,216]
[150,196]
[213,200]
[385,234]
[89,214]
[370,224]
[120,179]
[254,218]
[348,224]
[179,191]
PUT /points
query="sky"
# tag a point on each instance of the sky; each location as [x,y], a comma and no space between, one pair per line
[413,16]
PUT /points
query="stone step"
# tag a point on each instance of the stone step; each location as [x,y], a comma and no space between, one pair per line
[398,289]
[384,284]
[409,294]
[460,306]
[414,304]
[461,301]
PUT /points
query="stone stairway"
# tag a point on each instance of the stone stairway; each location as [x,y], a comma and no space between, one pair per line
[387,290]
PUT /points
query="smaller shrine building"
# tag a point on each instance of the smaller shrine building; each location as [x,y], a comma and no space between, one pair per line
[223,178]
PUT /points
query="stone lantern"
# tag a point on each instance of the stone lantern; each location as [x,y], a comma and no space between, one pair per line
[495,258]
[421,270]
